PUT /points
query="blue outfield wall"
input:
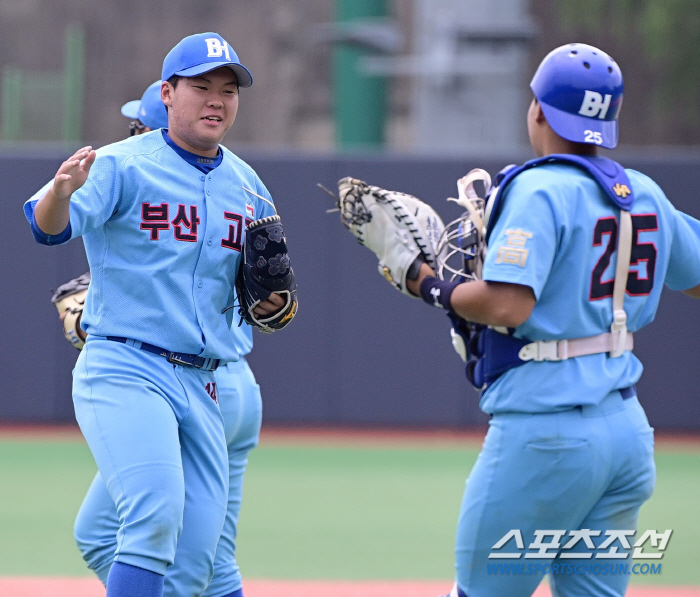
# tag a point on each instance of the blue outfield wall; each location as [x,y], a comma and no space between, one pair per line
[358,352]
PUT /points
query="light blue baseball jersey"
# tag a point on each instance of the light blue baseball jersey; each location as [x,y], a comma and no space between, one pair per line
[557,233]
[164,242]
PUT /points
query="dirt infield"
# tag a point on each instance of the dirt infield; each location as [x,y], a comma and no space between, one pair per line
[354,436]
[90,587]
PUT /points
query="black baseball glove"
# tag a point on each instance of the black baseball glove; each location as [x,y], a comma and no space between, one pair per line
[265,269]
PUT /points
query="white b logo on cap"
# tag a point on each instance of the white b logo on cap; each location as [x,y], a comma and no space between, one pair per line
[215,49]
[594,105]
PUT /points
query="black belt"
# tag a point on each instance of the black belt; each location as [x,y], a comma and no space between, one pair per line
[178,358]
[628,392]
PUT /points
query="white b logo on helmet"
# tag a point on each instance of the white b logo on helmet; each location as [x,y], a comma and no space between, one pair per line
[215,48]
[595,105]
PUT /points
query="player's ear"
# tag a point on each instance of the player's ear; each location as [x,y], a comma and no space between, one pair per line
[539,114]
[166,93]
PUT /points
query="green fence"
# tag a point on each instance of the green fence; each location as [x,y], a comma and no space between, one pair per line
[46,106]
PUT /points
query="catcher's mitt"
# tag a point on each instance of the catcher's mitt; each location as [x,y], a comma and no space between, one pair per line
[398,228]
[265,269]
[70,299]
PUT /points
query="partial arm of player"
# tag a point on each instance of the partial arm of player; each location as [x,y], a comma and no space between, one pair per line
[488,303]
[52,211]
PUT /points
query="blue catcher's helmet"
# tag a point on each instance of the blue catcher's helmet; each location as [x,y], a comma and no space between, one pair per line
[150,109]
[580,90]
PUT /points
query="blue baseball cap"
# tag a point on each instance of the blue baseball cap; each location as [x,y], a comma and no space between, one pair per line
[580,89]
[201,53]
[150,109]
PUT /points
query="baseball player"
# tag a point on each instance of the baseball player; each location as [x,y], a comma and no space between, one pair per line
[148,113]
[578,252]
[97,524]
[162,215]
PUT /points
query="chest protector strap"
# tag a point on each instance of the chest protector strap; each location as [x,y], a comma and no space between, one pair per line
[496,352]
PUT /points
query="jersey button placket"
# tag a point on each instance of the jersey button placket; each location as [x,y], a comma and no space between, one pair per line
[202,259]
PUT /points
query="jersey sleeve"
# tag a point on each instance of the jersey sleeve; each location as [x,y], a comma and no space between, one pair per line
[523,243]
[98,199]
[684,262]
[39,235]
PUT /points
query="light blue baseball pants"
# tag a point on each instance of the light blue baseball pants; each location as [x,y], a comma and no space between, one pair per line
[96,525]
[585,468]
[158,439]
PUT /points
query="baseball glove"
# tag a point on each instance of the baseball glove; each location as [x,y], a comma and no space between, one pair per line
[398,228]
[265,269]
[70,300]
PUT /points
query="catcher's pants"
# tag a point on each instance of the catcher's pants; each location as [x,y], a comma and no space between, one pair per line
[97,524]
[158,440]
[585,468]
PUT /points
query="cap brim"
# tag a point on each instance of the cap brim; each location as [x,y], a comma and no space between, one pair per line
[581,129]
[245,79]
[131,109]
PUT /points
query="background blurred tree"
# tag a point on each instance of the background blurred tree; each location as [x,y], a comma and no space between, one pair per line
[656,44]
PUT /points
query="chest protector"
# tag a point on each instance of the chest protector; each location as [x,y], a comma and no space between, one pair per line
[494,351]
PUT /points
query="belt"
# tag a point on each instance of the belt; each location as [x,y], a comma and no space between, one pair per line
[178,358]
[628,392]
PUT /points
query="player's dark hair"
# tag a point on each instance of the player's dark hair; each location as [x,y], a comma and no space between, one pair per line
[173,80]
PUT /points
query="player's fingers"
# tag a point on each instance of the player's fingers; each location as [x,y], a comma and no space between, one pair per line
[68,165]
[63,177]
[263,308]
[82,151]
[268,307]
[276,299]
[79,155]
[88,161]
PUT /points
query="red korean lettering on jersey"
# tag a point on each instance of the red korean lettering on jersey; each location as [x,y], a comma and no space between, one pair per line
[210,389]
[182,221]
[154,218]
[235,229]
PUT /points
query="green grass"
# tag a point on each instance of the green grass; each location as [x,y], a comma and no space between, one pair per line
[675,505]
[352,513]
[317,512]
[41,487]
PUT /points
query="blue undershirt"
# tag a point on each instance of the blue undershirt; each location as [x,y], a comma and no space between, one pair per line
[203,164]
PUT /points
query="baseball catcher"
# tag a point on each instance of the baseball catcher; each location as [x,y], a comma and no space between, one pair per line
[70,300]
[399,229]
[266,270]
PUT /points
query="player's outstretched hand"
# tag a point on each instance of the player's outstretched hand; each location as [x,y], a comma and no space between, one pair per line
[73,173]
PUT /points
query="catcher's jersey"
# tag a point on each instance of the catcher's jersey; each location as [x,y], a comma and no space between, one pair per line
[557,233]
[164,242]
